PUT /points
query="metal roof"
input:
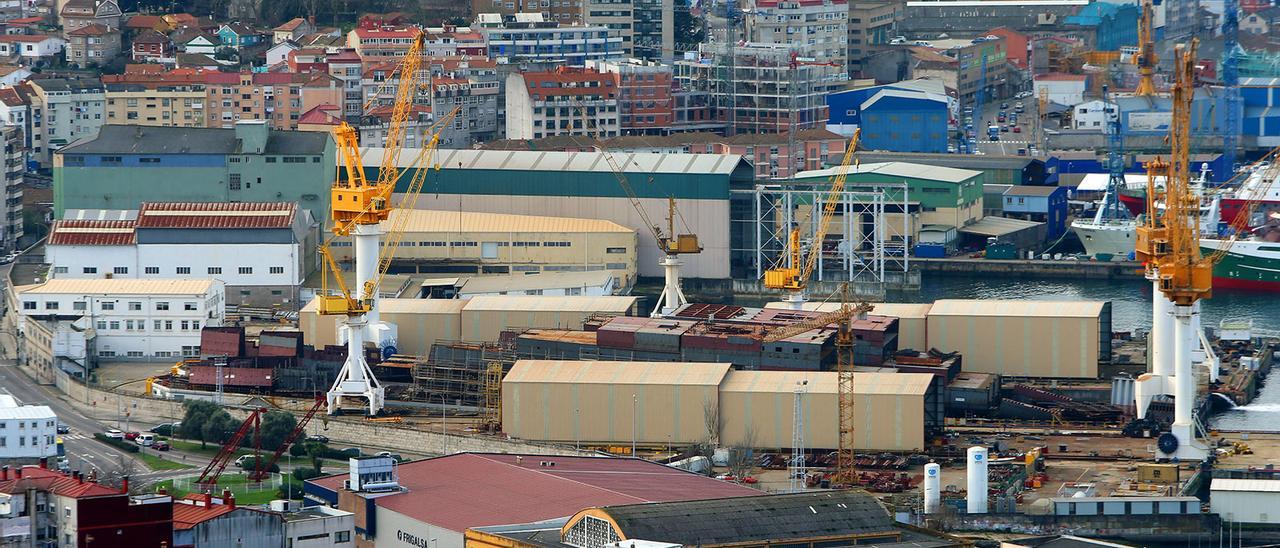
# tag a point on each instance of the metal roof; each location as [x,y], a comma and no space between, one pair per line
[38,412]
[118,286]
[541,280]
[826,382]
[1027,190]
[997,226]
[442,491]
[1126,499]
[898,169]
[1028,307]
[91,232]
[699,164]
[217,215]
[611,372]
[826,514]
[893,310]
[958,161]
[534,303]
[121,139]
[1245,485]
[424,220]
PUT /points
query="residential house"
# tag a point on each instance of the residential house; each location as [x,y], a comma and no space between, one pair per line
[139,23]
[65,110]
[151,46]
[279,97]
[292,29]
[12,75]
[72,510]
[378,42]
[92,44]
[197,41]
[15,110]
[279,53]
[81,13]
[238,35]
[1261,22]
[567,101]
[32,49]
[323,118]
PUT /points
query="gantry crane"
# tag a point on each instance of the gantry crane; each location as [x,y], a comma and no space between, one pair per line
[1168,245]
[671,244]
[1146,57]
[845,470]
[359,209]
[794,276]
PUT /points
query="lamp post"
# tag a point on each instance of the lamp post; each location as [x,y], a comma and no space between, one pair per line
[633,424]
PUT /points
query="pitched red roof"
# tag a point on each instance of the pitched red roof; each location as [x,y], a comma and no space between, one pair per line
[25,21]
[441,491]
[144,22]
[195,509]
[92,29]
[322,114]
[231,376]
[92,232]
[26,37]
[291,25]
[11,97]
[42,479]
[150,36]
[216,215]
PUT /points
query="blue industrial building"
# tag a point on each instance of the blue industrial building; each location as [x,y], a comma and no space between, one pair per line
[1261,120]
[1154,115]
[1046,204]
[911,116]
[1067,168]
[1114,25]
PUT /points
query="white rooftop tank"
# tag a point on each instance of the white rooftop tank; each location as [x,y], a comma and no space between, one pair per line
[977,471]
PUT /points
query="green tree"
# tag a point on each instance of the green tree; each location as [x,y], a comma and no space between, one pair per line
[688,31]
[194,418]
[315,450]
[218,427]
[276,426]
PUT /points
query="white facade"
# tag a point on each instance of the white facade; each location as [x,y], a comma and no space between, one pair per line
[133,319]
[15,77]
[27,431]
[234,265]
[68,110]
[1245,500]
[1093,115]
[319,526]
[547,116]
[819,29]
[1063,89]
[279,53]
[33,50]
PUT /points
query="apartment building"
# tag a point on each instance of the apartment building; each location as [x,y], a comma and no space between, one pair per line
[565,12]
[645,101]
[373,41]
[278,97]
[14,167]
[531,38]
[817,28]
[172,105]
[566,101]
[136,319]
[64,110]
[15,110]
[92,44]
[47,508]
[872,25]
[472,86]
[27,432]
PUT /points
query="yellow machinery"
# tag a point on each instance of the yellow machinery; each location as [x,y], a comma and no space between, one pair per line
[359,209]
[1146,57]
[794,277]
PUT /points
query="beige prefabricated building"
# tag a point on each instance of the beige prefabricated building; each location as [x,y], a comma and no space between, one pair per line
[912,319]
[597,402]
[1026,338]
[423,322]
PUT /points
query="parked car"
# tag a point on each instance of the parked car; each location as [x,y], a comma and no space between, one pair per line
[160,446]
[318,438]
[166,429]
[394,456]
[145,439]
[1004,129]
[114,434]
[1017,129]
[130,436]
[63,429]
[1004,106]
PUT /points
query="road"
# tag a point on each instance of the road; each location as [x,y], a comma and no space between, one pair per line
[1009,142]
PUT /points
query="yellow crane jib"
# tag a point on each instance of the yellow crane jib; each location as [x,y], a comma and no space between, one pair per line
[795,276]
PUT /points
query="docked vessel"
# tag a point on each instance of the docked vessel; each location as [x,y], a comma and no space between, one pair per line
[1105,238]
[1255,187]
[1252,264]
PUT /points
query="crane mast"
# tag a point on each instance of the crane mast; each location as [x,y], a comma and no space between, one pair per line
[1146,58]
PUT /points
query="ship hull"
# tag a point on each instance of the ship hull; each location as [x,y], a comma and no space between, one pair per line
[1249,265]
[1113,238]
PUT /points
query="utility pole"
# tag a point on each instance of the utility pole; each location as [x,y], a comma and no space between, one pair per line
[633,424]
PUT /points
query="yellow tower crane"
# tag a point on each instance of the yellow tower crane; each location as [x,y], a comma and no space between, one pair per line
[360,208]
[1146,57]
[794,276]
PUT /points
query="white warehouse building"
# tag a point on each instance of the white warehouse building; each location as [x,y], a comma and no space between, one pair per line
[135,319]
[261,251]
[1239,500]
[27,432]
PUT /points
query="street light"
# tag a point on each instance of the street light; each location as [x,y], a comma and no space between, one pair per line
[633,425]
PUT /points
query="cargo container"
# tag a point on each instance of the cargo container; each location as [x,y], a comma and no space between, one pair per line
[931,251]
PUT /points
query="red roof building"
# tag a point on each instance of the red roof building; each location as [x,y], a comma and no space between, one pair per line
[441,494]
[92,232]
[210,520]
[95,512]
[217,215]
[151,45]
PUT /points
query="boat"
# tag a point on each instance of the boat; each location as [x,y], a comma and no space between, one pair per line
[1255,186]
[1250,264]
[1105,238]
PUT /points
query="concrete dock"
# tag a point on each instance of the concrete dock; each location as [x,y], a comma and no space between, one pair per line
[1022,268]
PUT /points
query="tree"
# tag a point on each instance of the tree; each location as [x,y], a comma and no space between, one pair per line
[315,450]
[226,54]
[741,460]
[193,420]
[688,29]
[114,473]
[218,427]
[276,426]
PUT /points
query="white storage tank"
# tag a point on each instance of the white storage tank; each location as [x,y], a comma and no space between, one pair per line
[977,471]
[932,488]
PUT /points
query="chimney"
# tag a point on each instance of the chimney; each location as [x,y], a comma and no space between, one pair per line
[44,463]
[17,473]
[162,491]
[4,472]
[124,484]
[228,499]
[79,477]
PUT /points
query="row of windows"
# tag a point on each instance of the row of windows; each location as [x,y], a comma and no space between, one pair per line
[141,325]
[22,424]
[22,441]
[187,352]
[105,305]
[177,270]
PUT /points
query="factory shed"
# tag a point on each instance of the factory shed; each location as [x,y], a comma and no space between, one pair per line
[484,318]
[1054,339]
[1245,500]
[583,401]
[419,323]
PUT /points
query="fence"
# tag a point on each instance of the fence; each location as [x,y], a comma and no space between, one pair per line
[273,483]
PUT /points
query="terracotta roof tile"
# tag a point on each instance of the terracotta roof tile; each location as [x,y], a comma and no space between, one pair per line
[216,215]
[92,232]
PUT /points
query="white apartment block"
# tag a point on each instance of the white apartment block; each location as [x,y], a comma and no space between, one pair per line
[817,28]
[133,319]
[26,431]
[566,101]
[66,110]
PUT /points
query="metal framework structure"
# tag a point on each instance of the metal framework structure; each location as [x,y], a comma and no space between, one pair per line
[797,470]
[871,250]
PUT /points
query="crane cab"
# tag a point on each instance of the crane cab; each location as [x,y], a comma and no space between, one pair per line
[681,244]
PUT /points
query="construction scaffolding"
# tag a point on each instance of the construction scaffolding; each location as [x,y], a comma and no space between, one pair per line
[458,374]
[869,242]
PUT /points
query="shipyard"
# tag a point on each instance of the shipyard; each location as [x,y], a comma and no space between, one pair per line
[625,274]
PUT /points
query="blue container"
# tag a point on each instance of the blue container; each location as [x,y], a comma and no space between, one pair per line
[931,251]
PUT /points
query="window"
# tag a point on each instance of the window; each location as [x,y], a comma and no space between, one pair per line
[341,536]
[215,270]
[277,270]
[90,270]
[157,325]
[182,270]
[152,270]
[108,306]
[115,326]
[120,270]
[234,183]
[135,305]
[59,270]
[101,325]
[51,305]
[28,305]
[246,270]
[188,306]
[78,305]
[168,325]
[162,305]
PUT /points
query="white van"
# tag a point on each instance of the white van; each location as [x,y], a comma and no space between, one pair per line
[145,440]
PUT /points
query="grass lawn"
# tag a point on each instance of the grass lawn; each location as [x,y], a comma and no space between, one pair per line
[236,483]
[210,450]
[156,463]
